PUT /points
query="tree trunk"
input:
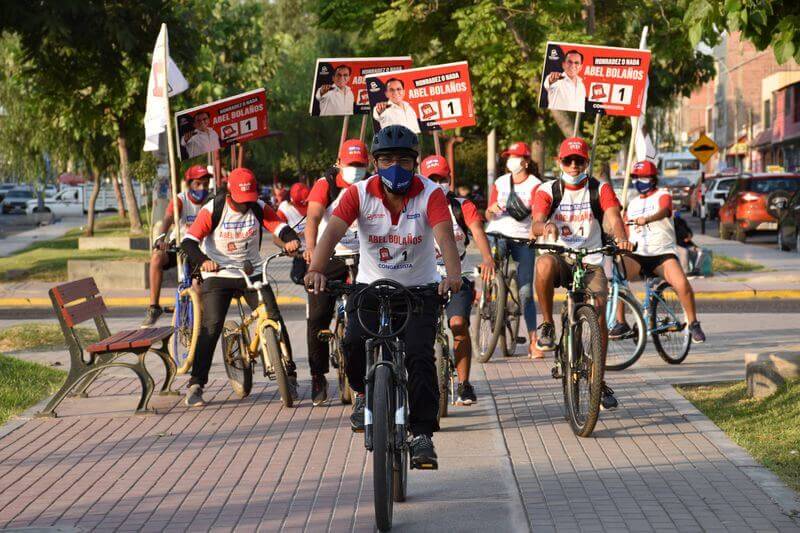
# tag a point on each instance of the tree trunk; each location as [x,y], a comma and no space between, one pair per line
[130,197]
[92,202]
[118,193]
[537,156]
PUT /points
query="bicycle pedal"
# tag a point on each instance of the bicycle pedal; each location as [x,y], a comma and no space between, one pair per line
[425,466]
[521,340]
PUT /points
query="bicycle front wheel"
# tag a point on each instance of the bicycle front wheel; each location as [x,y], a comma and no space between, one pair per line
[628,348]
[440,349]
[383,447]
[489,322]
[669,328]
[238,368]
[512,317]
[186,326]
[268,339]
[585,374]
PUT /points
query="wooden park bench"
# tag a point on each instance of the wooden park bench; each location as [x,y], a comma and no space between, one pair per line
[78,301]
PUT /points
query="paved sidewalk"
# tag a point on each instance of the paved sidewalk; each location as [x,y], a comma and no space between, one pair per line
[18,241]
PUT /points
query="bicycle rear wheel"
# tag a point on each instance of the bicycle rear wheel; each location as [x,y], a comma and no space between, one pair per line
[512,316]
[628,348]
[234,346]
[443,376]
[400,479]
[345,393]
[585,375]
[668,325]
[186,325]
[383,446]
[269,344]
[489,326]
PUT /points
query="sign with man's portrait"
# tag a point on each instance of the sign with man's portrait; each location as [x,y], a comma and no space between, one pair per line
[423,99]
[594,79]
[339,87]
[218,125]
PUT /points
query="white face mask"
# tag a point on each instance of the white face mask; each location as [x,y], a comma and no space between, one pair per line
[514,164]
[353,174]
[569,180]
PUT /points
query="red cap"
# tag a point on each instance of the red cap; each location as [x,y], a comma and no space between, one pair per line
[434,165]
[196,172]
[519,149]
[573,146]
[353,151]
[298,194]
[242,185]
[644,168]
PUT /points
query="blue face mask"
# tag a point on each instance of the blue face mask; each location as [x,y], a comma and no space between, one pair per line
[569,180]
[643,186]
[198,196]
[396,178]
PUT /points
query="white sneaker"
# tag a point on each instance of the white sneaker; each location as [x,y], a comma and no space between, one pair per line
[194,398]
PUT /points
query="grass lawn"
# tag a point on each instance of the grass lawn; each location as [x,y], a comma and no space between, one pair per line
[723,263]
[23,384]
[39,336]
[47,260]
[768,429]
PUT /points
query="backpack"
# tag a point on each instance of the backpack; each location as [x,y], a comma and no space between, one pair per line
[458,213]
[219,207]
[594,201]
[333,189]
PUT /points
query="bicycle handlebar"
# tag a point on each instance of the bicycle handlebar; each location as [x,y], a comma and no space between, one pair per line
[608,249]
[258,285]
[496,235]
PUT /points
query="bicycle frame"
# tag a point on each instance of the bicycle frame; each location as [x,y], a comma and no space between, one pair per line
[619,283]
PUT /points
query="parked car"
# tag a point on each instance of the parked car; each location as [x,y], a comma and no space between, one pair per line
[74,201]
[746,207]
[17,200]
[786,208]
[5,187]
[716,190]
[679,188]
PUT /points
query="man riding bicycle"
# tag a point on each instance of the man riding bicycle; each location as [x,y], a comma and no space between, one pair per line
[654,235]
[190,202]
[400,215]
[571,212]
[351,167]
[230,230]
[509,214]
[466,222]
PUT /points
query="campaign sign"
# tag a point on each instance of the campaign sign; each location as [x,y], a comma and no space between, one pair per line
[339,87]
[218,125]
[594,79]
[423,99]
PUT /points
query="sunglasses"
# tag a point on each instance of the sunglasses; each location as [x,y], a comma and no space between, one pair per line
[570,160]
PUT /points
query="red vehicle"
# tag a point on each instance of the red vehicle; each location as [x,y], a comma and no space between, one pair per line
[745,209]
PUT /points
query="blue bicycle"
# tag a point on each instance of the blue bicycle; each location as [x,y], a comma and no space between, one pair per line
[185,321]
[659,315]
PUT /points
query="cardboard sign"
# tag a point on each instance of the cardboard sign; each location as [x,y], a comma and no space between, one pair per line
[704,148]
[218,125]
[423,99]
[594,79]
[339,88]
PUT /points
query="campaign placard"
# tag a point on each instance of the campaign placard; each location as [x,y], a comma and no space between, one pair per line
[218,125]
[423,99]
[594,79]
[339,88]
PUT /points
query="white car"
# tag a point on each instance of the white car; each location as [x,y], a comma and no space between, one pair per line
[68,202]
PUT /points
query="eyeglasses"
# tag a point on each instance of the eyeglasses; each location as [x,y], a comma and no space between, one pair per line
[402,160]
[576,160]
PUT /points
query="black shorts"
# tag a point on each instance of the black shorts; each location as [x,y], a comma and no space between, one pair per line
[460,303]
[172,260]
[649,263]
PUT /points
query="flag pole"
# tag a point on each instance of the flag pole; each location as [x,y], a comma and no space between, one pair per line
[632,145]
[594,143]
[363,128]
[343,137]
[173,171]
[437,144]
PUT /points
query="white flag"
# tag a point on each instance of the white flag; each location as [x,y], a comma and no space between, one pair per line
[155,115]
[643,145]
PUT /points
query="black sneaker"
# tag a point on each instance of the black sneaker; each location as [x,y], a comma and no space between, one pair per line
[697,332]
[153,312]
[466,394]
[319,389]
[607,400]
[293,387]
[619,330]
[546,337]
[357,416]
[423,455]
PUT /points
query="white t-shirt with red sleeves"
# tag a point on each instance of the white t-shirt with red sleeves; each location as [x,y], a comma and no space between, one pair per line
[654,238]
[236,238]
[399,246]
[499,192]
[187,212]
[577,226]
[348,244]
[292,216]
[471,215]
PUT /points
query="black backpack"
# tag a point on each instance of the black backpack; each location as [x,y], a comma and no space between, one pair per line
[219,207]
[594,201]
[333,189]
[458,213]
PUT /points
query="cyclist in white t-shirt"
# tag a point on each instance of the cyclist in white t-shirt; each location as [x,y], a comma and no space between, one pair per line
[654,235]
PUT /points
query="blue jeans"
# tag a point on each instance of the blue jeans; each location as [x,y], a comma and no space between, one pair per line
[524,257]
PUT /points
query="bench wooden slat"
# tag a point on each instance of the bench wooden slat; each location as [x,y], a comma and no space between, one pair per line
[127,343]
[78,313]
[155,334]
[103,344]
[75,290]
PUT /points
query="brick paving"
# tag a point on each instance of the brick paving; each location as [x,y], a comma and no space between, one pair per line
[248,465]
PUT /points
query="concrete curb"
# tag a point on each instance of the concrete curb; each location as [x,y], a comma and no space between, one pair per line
[127,302]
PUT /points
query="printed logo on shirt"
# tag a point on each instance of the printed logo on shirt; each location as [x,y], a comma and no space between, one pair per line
[240,224]
[231,246]
[384,254]
[373,216]
[412,216]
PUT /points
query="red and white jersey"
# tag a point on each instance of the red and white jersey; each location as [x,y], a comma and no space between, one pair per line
[576,223]
[654,238]
[505,223]
[236,238]
[292,216]
[471,215]
[400,246]
[187,211]
[348,244]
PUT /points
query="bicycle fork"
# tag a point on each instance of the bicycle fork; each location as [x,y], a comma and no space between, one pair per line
[398,348]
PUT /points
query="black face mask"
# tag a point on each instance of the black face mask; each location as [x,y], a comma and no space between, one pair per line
[515,206]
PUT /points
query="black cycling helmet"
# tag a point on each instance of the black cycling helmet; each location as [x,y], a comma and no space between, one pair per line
[395,138]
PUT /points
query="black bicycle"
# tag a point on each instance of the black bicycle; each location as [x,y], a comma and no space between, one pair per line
[386,433]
